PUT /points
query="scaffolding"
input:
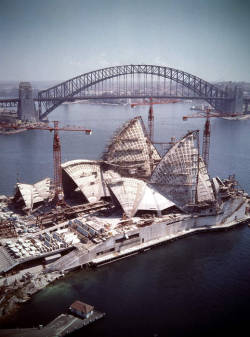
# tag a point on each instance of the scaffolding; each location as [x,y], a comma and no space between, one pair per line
[131,150]
[176,176]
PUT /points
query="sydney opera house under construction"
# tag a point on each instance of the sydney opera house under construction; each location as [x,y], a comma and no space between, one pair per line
[124,203]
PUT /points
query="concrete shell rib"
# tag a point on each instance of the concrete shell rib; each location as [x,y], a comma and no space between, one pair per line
[176,174]
[87,176]
[128,192]
[33,194]
[205,190]
[131,148]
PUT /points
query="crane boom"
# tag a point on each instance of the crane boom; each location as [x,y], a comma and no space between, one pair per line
[56,148]
[42,126]
[206,132]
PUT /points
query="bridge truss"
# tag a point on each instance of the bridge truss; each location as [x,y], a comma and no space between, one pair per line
[130,81]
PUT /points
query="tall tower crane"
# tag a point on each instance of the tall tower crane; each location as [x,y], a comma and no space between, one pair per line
[151,113]
[206,141]
[206,133]
[56,149]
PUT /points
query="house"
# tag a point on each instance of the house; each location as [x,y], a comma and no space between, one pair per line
[81,309]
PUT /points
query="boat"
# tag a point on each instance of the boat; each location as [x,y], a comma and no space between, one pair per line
[201,107]
[237,117]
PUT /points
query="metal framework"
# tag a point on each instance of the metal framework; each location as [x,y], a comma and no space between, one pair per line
[57,161]
[56,147]
[177,174]
[206,142]
[206,132]
[51,98]
[130,150]
[122,80]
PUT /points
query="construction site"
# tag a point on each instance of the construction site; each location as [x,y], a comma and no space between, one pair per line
[132,198]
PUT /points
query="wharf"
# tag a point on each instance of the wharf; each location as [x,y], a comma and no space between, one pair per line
[61,326]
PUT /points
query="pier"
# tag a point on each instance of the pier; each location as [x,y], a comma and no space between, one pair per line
[61,326]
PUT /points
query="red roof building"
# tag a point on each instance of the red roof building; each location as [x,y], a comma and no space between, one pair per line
[81,309]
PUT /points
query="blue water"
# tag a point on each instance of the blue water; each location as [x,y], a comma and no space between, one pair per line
[197,286]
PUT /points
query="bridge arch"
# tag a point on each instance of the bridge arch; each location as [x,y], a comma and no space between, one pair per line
[56,95]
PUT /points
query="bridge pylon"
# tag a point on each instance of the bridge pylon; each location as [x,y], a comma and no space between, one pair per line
[236,104]
[26,106]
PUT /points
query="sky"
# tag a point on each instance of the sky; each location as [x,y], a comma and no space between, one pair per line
[60,39]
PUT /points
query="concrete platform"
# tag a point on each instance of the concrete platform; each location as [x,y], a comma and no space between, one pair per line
[109,258]
[59,327]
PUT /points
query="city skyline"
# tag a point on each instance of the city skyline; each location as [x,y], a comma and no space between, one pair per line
[57,40]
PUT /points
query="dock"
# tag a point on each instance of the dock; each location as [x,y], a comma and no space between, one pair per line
[61,326]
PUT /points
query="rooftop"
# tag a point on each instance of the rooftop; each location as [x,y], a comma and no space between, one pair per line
[81,306]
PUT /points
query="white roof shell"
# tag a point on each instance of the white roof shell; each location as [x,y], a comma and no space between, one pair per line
[205,190]
[153,200]
[87,175]
[38,192]
[134,194]
[176,174]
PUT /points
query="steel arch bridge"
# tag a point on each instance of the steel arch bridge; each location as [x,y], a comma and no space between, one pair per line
[77,87]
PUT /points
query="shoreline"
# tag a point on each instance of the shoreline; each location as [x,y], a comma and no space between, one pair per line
[157,242]
[12,132]
[21,290]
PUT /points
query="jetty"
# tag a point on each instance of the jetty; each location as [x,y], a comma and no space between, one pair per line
[61,326]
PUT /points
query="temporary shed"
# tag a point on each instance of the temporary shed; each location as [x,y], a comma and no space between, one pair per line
[81,309]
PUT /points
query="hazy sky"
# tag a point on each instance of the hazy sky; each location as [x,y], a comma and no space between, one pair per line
[59,39]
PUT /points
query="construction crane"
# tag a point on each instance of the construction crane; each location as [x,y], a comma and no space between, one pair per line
[59,197]
[151,113]
[206,133]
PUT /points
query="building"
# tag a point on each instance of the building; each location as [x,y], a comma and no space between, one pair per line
[130,154]
[81,309]
[149,200]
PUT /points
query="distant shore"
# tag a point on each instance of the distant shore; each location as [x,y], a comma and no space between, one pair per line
[11,132]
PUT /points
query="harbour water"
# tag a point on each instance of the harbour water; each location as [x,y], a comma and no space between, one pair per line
[197,286]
